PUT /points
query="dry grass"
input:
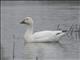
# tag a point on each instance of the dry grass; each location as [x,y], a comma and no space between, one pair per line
[73,31]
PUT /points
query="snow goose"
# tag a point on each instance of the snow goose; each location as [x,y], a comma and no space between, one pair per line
[42,36]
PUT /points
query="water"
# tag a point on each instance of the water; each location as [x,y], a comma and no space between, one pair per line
[46,16]
[47,51]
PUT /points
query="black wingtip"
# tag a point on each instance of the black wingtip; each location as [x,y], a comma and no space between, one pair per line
[64,30]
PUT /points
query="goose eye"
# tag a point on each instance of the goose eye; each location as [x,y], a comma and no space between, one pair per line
[57,33]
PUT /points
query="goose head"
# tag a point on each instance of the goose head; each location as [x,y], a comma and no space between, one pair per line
[27,21]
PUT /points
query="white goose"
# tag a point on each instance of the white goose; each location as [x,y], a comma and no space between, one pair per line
[42,36]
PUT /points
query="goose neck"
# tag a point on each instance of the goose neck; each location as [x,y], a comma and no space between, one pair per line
[29,29]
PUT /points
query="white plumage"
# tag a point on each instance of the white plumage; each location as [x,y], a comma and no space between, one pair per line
[42,36]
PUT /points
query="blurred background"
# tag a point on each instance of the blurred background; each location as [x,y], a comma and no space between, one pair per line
[47,15]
